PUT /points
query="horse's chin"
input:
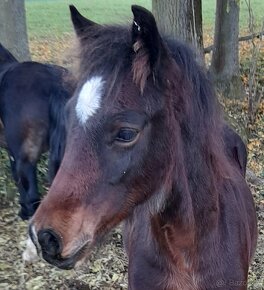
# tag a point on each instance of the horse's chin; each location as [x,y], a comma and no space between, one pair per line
[72,261]
[64,264]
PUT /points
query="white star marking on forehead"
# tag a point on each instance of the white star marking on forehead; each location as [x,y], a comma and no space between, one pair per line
[89,99]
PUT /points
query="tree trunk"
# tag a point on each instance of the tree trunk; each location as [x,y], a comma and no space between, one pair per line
[225,59]
[181,19]
[13,29]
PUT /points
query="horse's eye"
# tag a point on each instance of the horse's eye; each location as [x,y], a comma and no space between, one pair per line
[126,135]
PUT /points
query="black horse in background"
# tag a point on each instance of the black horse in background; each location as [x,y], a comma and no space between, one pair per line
[32,100]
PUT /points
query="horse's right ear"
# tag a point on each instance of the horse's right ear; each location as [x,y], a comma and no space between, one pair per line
[148,46]
[80,23]
[145,34]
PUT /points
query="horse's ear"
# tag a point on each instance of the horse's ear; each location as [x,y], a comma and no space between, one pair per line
[145,32]
[147,44]
[80,23]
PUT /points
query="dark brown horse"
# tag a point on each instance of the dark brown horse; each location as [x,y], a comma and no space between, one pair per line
[32,100]
[145,146]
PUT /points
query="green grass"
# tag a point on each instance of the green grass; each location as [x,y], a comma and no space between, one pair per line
[52,17]
[209,7]
[47,18]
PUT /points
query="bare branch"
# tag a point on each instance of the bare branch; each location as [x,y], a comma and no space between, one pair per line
[260,34]
[251,36]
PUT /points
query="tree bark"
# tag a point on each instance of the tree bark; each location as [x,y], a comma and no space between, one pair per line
[180,19]
[225,59]
[13,29]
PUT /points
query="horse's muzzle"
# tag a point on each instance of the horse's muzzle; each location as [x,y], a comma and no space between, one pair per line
[49,245]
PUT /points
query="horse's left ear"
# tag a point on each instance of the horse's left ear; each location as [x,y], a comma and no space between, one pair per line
[80,23]
[147,44]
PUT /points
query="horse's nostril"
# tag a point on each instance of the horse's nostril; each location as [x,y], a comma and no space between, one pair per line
[50,242]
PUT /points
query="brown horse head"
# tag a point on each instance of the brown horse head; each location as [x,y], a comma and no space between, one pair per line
[119,134]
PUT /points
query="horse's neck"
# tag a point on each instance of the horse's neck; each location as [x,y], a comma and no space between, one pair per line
[162,232]
[163,245]
[162,252]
